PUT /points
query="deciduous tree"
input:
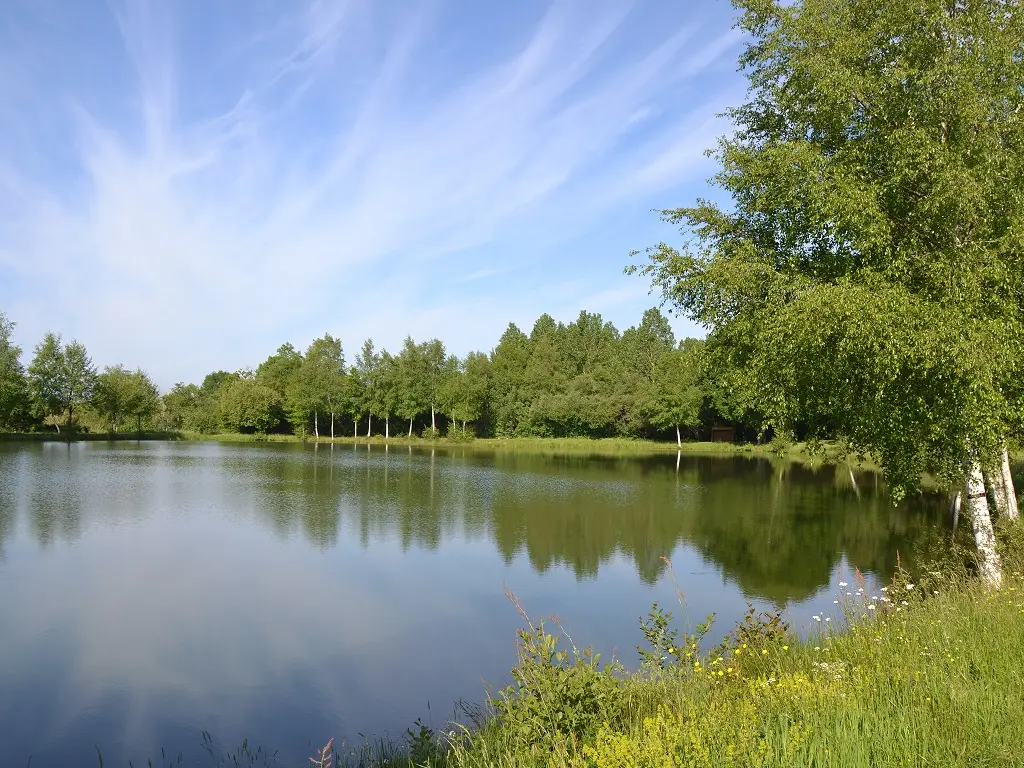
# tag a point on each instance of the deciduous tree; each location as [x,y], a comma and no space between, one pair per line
[867,274]
[14,398]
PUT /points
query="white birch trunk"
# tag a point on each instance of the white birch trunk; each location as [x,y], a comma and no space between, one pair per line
[954,505]
[387,427]
[1012,511]
[679,437]
[981,523]
[332,427]
[355,428]
[995,484]
[369,423]
[316,426]
[410,429]
[433,424]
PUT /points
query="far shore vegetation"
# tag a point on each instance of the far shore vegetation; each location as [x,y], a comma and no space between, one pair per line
[583,379]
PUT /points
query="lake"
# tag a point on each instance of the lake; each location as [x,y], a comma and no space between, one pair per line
[291,593]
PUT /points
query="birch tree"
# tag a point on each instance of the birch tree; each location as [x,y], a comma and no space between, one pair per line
[676,397]
[867,274]
[433,377]
[322,375]
[411,384]
[367,363]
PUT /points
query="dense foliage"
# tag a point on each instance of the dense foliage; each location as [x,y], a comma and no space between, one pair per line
[866,276]
[582,379]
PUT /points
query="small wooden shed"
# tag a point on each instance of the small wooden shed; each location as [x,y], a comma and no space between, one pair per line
[722,434]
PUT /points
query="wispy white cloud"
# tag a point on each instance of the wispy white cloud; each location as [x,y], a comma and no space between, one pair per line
[286,175]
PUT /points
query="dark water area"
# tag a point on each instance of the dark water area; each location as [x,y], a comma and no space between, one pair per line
[290,594]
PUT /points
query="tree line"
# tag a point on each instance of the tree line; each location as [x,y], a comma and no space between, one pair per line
[584,378]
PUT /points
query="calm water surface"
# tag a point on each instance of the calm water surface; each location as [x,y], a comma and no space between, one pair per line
[292,593]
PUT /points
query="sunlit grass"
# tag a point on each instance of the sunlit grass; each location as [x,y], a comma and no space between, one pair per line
[537,445]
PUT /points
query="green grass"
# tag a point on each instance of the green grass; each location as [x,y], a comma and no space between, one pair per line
[237,437]
[829,454]
[541,445]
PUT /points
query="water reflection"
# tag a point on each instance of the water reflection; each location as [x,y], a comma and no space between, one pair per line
[778,530]
[289,593]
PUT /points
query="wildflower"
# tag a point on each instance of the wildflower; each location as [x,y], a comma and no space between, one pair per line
[885,589]
[816,618]
[764,652]
[828,619]
[785,647]
[909,587]
[871,607]
[842,584]
[935,591]
[671,650]
[836,602]
[905,603]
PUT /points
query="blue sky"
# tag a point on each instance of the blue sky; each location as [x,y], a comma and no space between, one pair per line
[184,186]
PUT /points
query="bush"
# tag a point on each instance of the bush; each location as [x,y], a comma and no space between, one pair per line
[558,695]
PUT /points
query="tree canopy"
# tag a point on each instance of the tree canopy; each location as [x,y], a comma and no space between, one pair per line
[866,276]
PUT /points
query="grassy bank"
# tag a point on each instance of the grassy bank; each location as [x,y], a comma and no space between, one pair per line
[552,445]
[824,454]
[928,673]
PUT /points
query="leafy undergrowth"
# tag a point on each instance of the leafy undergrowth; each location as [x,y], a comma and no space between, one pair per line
[926,673]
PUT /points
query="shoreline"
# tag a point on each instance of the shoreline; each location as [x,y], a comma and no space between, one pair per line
[607,446]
